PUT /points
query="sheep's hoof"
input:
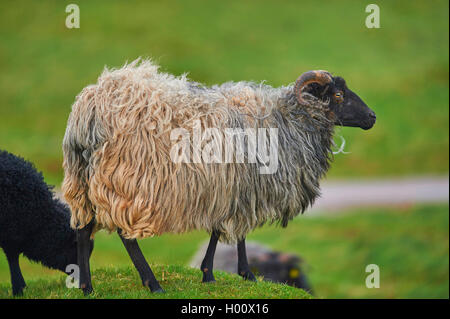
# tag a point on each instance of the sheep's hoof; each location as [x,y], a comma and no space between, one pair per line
[87,290]
[208,277]
[248,275]
[158,291]
[209,280]
[18,292]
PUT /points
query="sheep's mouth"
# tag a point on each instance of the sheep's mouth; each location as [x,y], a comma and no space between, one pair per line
[369,125]
[365,125]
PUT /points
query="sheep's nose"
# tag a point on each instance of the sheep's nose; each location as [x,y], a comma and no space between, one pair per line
[372,115]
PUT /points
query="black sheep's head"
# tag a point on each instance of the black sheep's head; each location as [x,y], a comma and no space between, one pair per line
[62,239]
[281,267]
[347,107]
[64,251]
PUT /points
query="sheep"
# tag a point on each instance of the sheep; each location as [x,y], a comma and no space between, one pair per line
[32,221]
[122,167]
[271,265]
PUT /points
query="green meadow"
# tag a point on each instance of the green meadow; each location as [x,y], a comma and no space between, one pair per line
[409,244]
[179,282]
[400,70]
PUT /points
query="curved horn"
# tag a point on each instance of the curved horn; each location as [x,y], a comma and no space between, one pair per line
[318,76]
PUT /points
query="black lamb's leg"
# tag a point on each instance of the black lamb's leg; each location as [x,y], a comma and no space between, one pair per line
[17,281]
[84,253]
[207,263]
[138,259]
[243,268]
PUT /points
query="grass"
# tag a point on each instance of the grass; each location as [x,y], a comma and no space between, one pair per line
[400,70]
[179,282]
[409,244]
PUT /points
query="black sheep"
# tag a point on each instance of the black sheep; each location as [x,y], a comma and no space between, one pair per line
[32,221]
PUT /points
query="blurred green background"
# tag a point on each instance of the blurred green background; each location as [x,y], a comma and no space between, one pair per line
[400,70]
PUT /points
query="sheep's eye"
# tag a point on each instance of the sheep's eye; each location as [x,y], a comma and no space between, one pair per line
[339,96]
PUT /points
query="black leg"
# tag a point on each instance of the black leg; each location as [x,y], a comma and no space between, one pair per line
[243,268]
[84,252]
[207,263]
[17,281]
[135,253]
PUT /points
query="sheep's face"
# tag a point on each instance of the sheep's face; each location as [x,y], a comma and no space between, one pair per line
[68,253]
[347,107]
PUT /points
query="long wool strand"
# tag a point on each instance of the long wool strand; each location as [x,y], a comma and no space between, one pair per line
[118,168]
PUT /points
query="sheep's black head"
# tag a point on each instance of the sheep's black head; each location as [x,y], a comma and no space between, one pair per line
[281,267]
[347,107]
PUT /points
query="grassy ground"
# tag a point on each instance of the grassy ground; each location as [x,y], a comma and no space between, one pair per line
[400,70]
[179,282]
[409,244]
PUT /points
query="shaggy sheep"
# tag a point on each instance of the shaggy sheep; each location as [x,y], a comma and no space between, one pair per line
[271,265]
[32,221]
[120,172]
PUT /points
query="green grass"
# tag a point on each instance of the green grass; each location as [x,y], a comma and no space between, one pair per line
[409,244]
[179,282]
[400,70]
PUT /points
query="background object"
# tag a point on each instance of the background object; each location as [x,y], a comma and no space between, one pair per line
[271,265]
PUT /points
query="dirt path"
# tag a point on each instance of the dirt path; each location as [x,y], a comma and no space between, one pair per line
[337,196]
